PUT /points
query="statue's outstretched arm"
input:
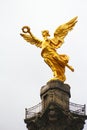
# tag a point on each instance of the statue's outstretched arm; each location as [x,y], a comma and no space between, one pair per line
[29,37]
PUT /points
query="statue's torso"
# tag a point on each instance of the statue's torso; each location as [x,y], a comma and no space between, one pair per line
[46,48]
[45,44]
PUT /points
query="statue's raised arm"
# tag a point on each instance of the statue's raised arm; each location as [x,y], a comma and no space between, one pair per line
[29,37]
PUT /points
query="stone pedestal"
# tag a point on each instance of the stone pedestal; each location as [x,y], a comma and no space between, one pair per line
[55,113]
[57,92]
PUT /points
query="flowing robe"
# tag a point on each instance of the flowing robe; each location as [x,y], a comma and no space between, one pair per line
[54,60]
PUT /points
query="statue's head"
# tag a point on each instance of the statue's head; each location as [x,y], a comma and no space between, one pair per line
[45,33]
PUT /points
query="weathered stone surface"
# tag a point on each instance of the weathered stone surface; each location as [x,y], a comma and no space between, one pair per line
[55,84]
[55,91]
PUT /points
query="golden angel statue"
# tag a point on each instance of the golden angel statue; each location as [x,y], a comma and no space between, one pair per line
[57,62]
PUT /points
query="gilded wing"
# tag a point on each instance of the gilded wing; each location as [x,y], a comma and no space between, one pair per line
[62,31]
[29,37]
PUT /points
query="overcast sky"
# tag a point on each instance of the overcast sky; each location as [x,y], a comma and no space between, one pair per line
[22,69]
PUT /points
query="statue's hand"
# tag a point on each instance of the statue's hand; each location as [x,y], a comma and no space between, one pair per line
[26,29]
